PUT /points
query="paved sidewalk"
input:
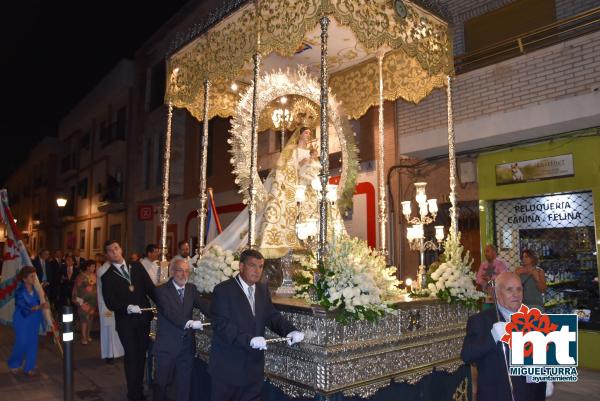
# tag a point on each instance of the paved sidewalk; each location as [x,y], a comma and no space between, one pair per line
[97,381]
[94,379]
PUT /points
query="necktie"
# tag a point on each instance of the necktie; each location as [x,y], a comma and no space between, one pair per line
[43,263]
[180,291]
[125,272]
[251,298]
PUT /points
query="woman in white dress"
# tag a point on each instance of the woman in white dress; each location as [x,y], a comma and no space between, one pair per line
[110,345]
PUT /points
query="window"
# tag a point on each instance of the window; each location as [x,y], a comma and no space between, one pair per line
[159,158]
[121,124]
[96,238]
[82,239]
[65,164]
[84,141]
[509,21]
[147,163]
[115,232]
[82,188]
[104,133]
[157,85]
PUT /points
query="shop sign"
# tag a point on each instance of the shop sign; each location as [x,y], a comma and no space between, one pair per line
[553,211]
[145,212]
[535,170]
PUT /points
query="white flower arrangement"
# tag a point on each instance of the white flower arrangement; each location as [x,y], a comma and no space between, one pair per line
[215,266]
[354,279]
[453,280]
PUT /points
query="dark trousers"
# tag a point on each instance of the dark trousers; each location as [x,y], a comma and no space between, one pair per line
[135,343]
[169,365]
[221,391]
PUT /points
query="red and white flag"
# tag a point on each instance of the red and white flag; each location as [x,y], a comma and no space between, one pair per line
[15,256]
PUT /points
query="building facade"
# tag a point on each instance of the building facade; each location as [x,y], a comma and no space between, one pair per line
[94,163]
[32,191]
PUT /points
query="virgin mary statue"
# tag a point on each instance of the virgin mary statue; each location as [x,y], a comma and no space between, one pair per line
[276,216]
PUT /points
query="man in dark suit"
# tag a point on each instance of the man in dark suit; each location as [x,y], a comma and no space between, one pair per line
[42,268]
[79,261]
[482,347]
[241,308]
[54,267]
[174,346]
[126,289]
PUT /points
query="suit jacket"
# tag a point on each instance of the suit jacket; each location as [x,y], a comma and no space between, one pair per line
[232,360]
[54,267]
[117,296]
[480,348]
[172,317]
[37,263]
[66,283]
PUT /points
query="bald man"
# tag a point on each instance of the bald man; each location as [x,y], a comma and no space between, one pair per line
[483,348]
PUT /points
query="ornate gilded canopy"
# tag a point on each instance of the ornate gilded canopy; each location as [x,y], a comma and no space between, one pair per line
[417,47]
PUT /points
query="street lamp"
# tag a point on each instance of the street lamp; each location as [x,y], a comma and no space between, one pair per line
[61,201]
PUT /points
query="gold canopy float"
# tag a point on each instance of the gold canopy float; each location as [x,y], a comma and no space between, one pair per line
[364,52]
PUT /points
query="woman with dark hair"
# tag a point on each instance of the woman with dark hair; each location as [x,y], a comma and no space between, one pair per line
[27,319]
[85,297]
[533,280]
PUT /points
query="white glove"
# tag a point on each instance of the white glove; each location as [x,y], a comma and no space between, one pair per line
[193,324]
[259,343]
[79,301]
[294,337]
[498,330]
[133,309]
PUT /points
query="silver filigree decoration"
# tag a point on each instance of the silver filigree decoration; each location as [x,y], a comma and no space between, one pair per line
[367,390]
[291,390]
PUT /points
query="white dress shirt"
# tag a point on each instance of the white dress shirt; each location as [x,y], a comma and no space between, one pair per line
[245,287]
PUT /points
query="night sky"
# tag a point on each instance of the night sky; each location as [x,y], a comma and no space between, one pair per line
[54,52]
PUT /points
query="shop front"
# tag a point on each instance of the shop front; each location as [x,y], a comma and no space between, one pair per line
[545,198]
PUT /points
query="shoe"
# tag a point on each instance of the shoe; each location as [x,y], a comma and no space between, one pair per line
[31,373]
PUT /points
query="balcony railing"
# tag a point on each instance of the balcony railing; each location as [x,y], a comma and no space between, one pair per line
[560,31]
[116,131]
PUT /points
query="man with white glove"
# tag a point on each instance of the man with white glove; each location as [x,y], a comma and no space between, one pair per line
[131,309]
[498,330]
[295,337]
[259,343]
[126,288]
[194,325]
[175,341]
[241,308]
[482,346]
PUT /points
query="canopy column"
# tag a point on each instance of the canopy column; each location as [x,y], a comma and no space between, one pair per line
[203,163]
[324,140]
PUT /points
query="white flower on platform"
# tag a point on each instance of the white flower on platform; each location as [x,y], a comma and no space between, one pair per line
[215,266]
[354,279]
[453,280]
